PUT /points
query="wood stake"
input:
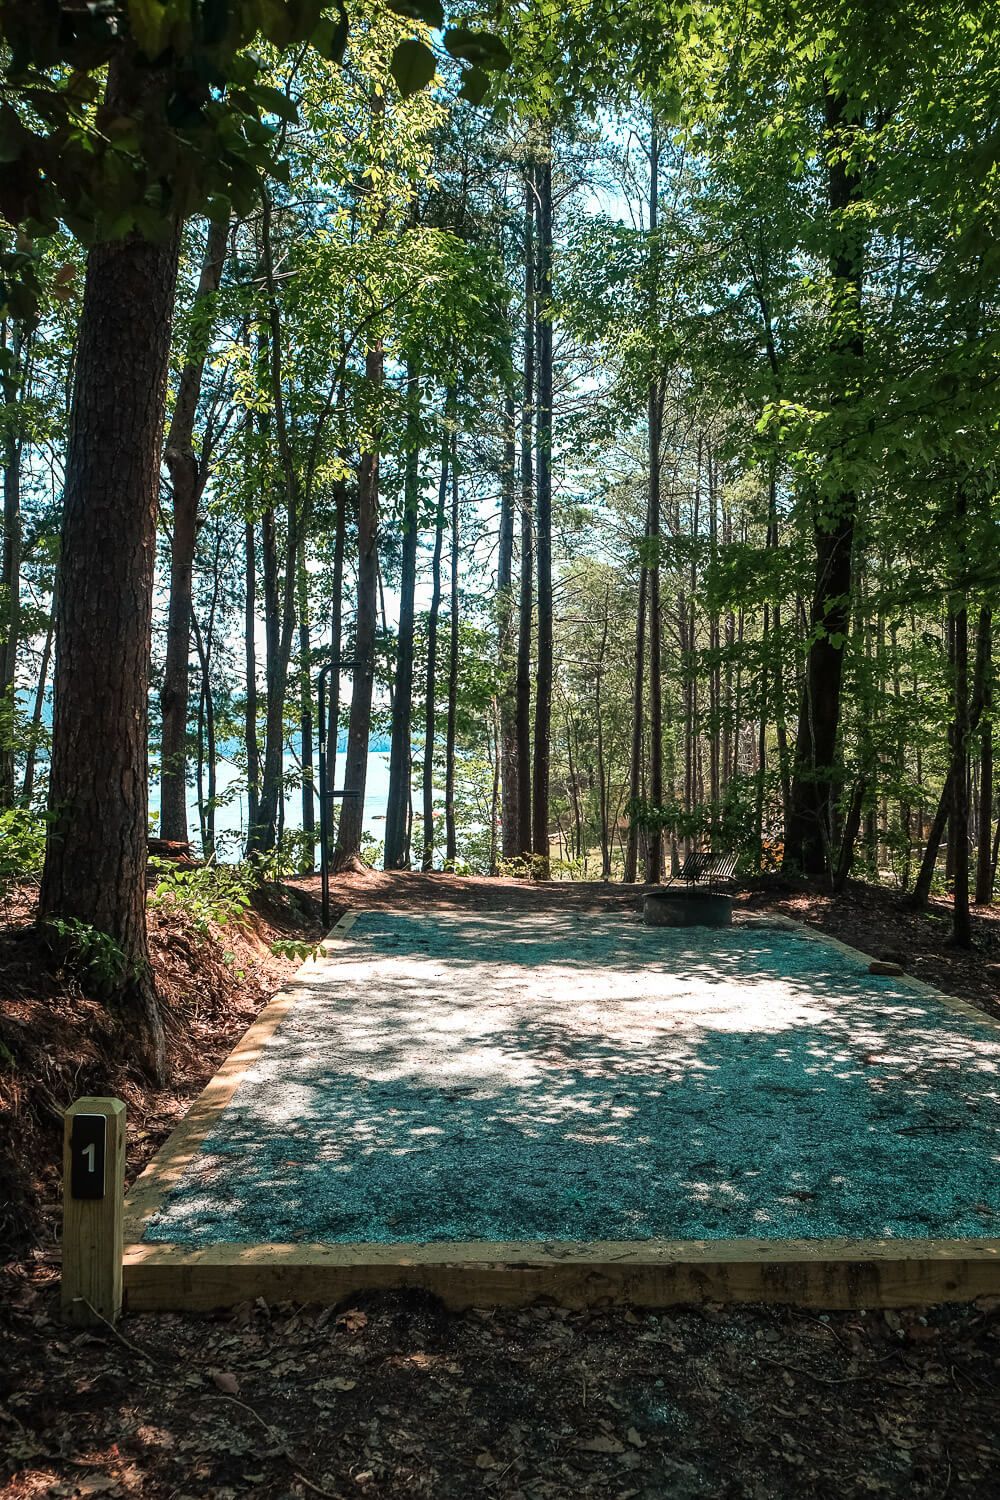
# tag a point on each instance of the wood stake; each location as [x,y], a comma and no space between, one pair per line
[93,1218]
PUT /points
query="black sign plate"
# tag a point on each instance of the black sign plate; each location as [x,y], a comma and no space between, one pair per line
[88,1153]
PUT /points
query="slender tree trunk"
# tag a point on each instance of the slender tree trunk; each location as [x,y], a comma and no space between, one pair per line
[430,709]
[36,715]
[308,860]
[250,657]
[187,480]
[402,703]
[95,863]
[348,851]
[522,691]
[654,840]
[10,574]
[507,747]
[450,832]
[815,784]
[281,602]
[984,862]
[925,875]
[543,530]
[635,757]
[961,931]
[336,635]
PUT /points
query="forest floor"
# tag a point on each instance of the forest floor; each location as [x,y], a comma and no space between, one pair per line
[391,1397]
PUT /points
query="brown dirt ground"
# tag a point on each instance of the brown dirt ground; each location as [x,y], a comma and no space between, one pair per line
[391,1397]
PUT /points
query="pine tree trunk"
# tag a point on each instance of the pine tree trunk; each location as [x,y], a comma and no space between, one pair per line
[250,658]
[961,930]
[450,831]
[10,574]
[522,690]
[402,704]
[95,862]
[187,480]
[654,841]
[543,531]
[984,860]
[810,831]
[638,714]
[507,748]
[307,863]
[430,708]
[347,854]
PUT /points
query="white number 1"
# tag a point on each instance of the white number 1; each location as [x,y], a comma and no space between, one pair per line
[90,1152]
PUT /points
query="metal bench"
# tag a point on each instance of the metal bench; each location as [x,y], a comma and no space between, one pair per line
[703,867]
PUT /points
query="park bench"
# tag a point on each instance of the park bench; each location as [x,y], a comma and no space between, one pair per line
[705,867]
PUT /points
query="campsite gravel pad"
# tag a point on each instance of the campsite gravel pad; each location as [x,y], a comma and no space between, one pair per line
[552,1077]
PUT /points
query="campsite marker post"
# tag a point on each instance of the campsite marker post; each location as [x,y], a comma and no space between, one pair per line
[93,1210]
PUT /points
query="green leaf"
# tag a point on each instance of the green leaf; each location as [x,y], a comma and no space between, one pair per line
[431,11]
[475,85]
[480,48]
[273,102]
[413,66]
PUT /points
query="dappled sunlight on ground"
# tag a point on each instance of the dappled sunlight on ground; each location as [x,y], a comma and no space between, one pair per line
[531,1075]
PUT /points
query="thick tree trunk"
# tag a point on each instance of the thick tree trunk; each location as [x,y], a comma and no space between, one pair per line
[522,689]
[95,863]
[450,830]
[187,480]
[810,831]
[543,531]
[430,708]
[397,808]
[348,851]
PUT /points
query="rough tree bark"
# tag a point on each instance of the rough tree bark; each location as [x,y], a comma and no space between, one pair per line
[95,863]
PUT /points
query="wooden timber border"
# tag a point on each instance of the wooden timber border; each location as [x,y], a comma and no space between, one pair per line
[814,1273]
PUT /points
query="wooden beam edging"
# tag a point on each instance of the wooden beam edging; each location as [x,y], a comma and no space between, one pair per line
[831,1274]
[179,1149]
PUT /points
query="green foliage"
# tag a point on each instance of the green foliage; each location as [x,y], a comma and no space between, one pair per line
[296,949]
[90,955]
[22,846]
[210,895]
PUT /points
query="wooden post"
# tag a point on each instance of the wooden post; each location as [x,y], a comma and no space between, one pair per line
[93,1218]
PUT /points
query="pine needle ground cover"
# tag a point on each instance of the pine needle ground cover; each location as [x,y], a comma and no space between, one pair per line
[562,1076]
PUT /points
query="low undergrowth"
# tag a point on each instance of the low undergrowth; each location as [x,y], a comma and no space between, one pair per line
[220,947]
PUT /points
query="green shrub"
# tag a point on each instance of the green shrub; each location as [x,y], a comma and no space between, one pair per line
[22,846]
[210,895]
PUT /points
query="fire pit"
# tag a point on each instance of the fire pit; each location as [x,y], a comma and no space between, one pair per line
[687,907]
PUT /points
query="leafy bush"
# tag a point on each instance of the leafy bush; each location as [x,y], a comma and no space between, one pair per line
[88,953]
[296,948]
[22,846]
[210,895]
